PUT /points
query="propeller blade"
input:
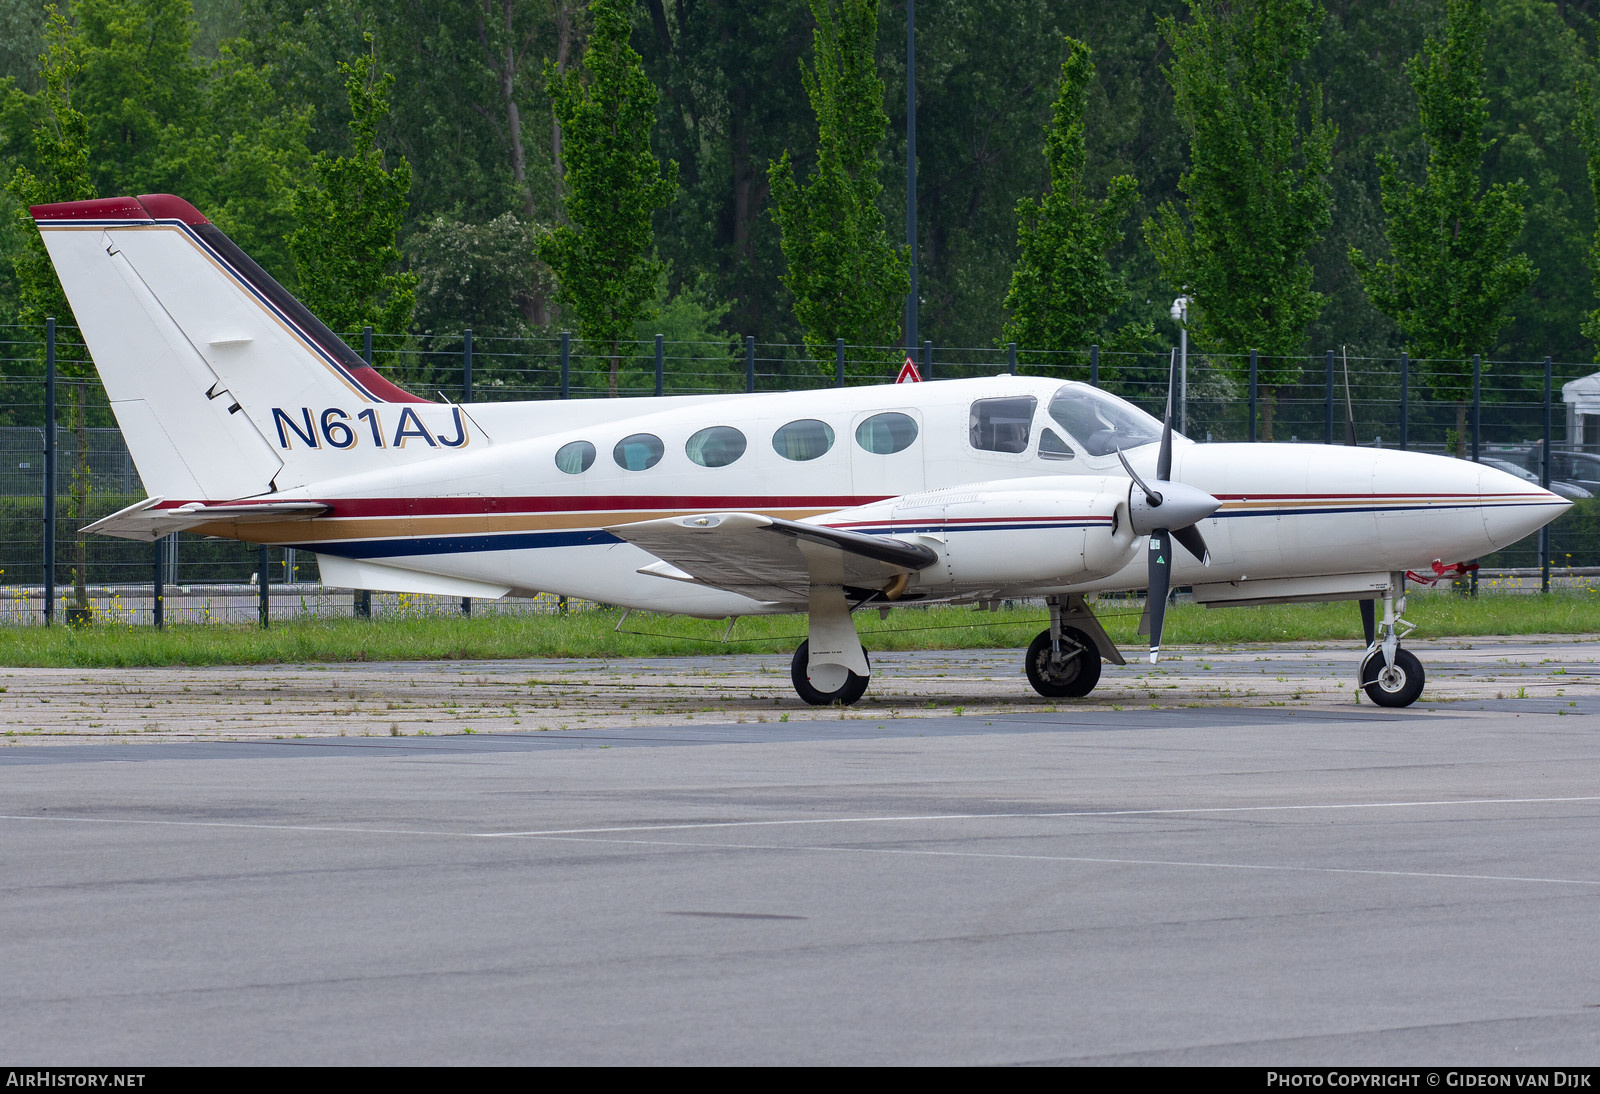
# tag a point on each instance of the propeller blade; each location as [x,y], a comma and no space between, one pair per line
[1150,496]
[1160,583]
[1164,461]
[1369,620]
[1195,544]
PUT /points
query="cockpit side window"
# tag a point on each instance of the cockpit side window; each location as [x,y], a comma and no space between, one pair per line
[1100,423]
[1052,447]
[1002,425]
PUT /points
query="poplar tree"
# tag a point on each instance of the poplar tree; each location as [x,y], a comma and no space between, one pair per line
[349,215]
[1451,278]
[604,260]
[846,279]
[1588,126]
[1257,187]
[1063,288]
[61,156]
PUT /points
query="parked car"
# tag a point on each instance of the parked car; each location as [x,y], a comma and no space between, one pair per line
[1569,490]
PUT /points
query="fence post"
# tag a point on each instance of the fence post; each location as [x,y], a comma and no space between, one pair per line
[566,364]
[364,596]
[1327,395]
[1405,400]
[1094,366]
[661,367]
[750,363]
[261,586]
[466,397]
[49,471]
[1011,358]
[158,612]
[1477,410]
[838,362]
[927,360]
[1477,402]
[1254,394]
[1544,481]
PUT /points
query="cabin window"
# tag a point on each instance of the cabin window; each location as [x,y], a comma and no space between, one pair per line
[1002,425]
[1101,423]
[717,446]
[887,433]
[803,440]
[1052,447]
[638,452]
[575,458]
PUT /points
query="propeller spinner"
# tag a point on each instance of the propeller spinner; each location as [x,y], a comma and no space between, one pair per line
[1169,512]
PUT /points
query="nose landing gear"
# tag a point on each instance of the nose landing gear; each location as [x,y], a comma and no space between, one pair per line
[1391,676]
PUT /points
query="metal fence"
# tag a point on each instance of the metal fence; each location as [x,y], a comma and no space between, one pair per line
[1509,411]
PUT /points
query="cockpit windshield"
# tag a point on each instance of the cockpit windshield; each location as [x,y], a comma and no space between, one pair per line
[1102,423]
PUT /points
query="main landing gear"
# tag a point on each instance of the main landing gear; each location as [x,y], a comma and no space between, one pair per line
[1391,676]
[823,685]
[1064,661]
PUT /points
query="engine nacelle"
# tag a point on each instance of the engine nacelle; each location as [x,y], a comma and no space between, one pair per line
[1027,532]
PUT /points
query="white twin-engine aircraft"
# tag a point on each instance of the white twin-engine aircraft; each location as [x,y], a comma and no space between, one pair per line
[249,419]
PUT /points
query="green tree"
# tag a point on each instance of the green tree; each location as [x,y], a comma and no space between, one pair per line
[846,279]
[1587,122]
[1063,289]
[141,91]
[61,173]
[1257,189]
[348,217]
[604,260]
[1451,280]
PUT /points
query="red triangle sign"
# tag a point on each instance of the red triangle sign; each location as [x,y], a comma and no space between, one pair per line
[908,373]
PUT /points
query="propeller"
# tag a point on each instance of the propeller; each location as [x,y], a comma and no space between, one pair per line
[1166,514]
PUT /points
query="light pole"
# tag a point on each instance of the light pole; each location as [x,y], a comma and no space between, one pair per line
[1180,315]
[911,173]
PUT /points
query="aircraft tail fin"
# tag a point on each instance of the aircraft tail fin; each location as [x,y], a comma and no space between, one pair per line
[224,384]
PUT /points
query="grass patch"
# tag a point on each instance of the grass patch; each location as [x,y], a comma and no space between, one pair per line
[592,633]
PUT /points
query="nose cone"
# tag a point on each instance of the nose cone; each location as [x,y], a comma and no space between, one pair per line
[1513,507]
[1181,507]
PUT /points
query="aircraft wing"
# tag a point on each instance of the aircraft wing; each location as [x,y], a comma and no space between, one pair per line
[771,559]
[145,522]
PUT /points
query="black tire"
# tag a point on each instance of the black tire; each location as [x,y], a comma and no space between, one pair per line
[853,688]
[1078,672]
[1400,686]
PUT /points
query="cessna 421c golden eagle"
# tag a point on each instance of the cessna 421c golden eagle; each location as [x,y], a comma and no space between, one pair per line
[249,419]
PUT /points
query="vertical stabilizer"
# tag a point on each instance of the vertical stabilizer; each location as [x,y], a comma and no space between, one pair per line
[225,386]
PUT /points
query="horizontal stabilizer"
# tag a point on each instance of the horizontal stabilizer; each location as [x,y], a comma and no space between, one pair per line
[768,558]
[145,522]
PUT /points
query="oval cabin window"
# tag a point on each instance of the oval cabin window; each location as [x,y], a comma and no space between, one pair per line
[575,458]
[887,433]
[717,446]
[638,452]
[805,439]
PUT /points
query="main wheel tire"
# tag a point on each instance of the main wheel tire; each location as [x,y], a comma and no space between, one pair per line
[1077,672]
[1398,685]
[833,683]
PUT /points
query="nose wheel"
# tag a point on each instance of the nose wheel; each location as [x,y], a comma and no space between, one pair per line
[1391,676]
[1395,685]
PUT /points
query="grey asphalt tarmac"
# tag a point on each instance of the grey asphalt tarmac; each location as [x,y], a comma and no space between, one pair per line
[1232,882]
